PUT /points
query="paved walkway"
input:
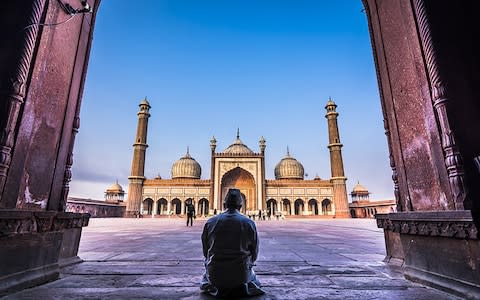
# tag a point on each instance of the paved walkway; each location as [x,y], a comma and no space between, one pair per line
[299,259]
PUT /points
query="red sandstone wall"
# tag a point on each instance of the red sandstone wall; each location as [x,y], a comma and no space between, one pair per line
[47,121]
[410,120]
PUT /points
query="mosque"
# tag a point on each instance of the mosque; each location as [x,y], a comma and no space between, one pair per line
[238,166]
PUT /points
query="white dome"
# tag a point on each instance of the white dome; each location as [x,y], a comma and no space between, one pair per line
[115,188]
[289,168]
[238,147]
[186,167]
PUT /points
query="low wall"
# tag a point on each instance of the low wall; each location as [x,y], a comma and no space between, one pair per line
[96,208]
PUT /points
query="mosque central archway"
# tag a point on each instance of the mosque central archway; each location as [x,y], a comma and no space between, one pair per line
[240,179]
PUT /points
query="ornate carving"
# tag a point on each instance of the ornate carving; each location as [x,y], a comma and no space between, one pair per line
[453,159]
[461,229]
[67,175]
[396,191]
[18,222]
[13,88]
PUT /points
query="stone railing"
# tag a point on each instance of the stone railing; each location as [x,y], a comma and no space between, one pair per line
[452,224]
[14,222]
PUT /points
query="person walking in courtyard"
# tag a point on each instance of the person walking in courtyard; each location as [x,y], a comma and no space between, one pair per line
[190,212]
[230,248]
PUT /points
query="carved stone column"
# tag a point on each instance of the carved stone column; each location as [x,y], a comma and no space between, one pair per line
[17,59]
[453,159]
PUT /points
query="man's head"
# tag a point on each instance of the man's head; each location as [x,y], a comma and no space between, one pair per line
[233,199]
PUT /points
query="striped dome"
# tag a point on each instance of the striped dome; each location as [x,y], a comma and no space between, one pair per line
[186,167]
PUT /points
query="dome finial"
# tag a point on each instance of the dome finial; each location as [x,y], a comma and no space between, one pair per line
[188,150]
[288,151]
[116,181]
[145,102]
[238,133]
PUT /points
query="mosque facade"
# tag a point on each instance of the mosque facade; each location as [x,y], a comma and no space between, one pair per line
[237,166]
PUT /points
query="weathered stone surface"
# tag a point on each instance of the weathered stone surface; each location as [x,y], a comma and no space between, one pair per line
[32,242]
[436,248]
[161,258]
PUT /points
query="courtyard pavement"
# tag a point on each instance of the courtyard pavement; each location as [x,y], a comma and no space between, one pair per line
[299,259]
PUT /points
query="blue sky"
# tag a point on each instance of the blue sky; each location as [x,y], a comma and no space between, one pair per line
[210,67]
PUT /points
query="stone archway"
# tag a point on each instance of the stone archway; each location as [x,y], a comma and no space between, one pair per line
[162,206]
[243,180]
[326,207]
[202,207]
[422,78]
[176,206]
[299,207]
[272,207]
[313,206]
[147,206]
[286,207]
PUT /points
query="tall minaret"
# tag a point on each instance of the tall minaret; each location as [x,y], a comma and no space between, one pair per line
[136,178]
[336,163]
[262,144]
[213,203]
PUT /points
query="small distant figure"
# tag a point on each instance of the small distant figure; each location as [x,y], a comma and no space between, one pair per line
[215,211]
[190,212]
[264,214]
[259,214]
[230,248]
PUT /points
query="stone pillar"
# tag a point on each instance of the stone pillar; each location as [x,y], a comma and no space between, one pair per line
[169,207]
[428,83]
[42,74]
[336,163]
[136,178]
[155,207]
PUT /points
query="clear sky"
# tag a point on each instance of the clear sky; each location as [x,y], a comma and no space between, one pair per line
[210,67]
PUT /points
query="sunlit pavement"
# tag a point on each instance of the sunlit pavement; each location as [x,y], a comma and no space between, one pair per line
[299,259]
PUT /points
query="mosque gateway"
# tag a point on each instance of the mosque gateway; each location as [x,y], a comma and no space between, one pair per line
[238,166]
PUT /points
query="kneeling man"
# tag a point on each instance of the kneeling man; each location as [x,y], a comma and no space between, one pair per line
[230,247]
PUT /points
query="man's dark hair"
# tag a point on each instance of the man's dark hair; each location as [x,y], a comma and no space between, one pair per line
[233,199]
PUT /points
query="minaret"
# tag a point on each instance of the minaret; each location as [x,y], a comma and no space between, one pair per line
[338,179]
[136,178]
[262,144]
[212,203]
